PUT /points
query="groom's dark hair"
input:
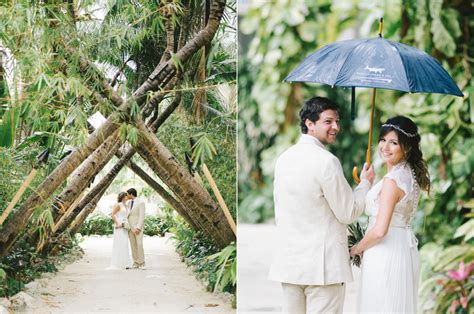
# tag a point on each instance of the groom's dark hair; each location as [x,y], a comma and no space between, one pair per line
[312,108]
[132,191]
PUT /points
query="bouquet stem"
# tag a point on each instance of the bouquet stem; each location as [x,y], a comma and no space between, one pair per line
[356,233]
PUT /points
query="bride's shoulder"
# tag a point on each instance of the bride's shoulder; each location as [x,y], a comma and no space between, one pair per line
[402,175]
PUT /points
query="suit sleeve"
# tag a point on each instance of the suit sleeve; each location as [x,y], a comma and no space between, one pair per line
[141,216]
[347,205]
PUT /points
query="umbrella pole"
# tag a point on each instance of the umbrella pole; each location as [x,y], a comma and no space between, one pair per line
[368,155]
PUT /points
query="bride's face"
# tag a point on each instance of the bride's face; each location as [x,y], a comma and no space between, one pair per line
[390,149]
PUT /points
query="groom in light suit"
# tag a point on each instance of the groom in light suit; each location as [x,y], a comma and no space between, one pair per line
[313,204]
[136,217]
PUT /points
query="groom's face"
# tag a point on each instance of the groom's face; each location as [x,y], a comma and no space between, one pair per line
[326,128]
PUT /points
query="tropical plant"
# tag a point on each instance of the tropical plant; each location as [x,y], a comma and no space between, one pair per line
[442,287]
[226,268]
[101,224]
[97,224]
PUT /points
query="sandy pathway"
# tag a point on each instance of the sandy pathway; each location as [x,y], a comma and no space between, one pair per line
[165,286]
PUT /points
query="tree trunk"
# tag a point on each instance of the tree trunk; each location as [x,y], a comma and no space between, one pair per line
[81,176]
[103,184]
[185,187]
[178,206]
[87,210]
[19,219]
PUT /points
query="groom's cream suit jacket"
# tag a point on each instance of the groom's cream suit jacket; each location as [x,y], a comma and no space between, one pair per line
[313,204]
[136,216]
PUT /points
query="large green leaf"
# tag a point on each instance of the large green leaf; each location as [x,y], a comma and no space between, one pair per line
[435,8]
[442,39]
[450,19]
[8,126]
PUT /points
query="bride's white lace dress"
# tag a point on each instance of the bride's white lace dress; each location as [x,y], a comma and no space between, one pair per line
[121,245]
[390,269]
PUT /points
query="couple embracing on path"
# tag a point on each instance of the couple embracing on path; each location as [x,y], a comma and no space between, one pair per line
[128,216]
[314,203]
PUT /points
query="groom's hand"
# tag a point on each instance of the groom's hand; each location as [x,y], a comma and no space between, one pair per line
[368,173]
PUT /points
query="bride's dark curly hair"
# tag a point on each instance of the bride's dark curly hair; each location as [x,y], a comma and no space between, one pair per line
[120,196]
[405,128]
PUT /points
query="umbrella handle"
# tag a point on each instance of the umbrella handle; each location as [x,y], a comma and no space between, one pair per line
[355,175]
[368,155]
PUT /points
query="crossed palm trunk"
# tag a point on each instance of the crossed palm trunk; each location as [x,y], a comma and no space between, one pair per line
[102,142]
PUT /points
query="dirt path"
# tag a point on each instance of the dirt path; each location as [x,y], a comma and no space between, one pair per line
[165,286]
[257,294]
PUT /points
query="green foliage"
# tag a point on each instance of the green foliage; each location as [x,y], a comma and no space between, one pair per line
[226,267]
[24,265]
[97,224]
[216,268]
[203,150]
[256,205]
[155,226]
[8,127]
[129,133]
[356,233]
[436,285]
[175,134]
[101,224]
[15,166]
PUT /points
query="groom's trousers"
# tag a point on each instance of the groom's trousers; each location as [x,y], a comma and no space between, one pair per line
[136,244]
[300,299]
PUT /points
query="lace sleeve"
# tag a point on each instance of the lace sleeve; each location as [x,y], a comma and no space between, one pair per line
[403,179]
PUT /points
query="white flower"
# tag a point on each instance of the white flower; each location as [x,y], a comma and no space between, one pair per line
[125,225]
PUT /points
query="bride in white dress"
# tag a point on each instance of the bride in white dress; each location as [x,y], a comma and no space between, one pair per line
[390,264]
[120,249]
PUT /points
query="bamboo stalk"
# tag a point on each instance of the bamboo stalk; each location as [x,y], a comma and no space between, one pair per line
[226,211]
[66,214]
[17,196]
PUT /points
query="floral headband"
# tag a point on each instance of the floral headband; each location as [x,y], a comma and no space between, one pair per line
[396,127]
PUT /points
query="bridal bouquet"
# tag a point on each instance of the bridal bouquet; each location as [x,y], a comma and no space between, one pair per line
[356,233]
[125,225]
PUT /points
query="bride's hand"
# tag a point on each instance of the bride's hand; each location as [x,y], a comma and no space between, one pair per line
[354,250]
[368,173]
[118,225]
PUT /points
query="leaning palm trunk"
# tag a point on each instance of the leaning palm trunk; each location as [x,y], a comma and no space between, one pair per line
[97,191]
[83,174]
[79,181]
[157,80]
[185,187]
[19,220]
[86,211]
[182,210]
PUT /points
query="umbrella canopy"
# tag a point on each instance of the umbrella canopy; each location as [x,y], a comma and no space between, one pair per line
[377,63]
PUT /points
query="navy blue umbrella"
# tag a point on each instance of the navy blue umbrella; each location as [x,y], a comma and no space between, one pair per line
[375,63]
